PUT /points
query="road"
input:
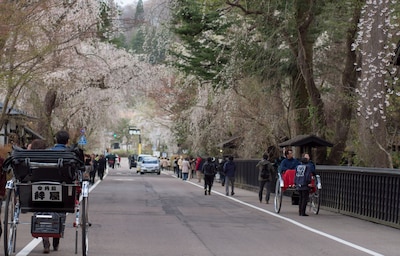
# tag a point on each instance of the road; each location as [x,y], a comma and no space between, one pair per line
[151,215]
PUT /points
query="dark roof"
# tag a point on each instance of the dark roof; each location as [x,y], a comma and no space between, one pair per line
[15,112]
[34,134]
[231,143]
[306,140]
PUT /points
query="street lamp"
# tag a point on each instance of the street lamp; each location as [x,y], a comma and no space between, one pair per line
[136,131]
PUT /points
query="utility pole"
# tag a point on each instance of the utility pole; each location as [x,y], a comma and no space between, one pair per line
[136,131]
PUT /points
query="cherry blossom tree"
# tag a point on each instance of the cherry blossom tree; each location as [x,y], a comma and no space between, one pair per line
[375,44]
[60,68]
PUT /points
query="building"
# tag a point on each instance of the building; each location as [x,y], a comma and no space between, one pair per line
[16,127]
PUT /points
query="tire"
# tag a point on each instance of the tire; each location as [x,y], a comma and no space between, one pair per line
[278,196]
[85,226]
[158,173]
[10,225]
[315,201]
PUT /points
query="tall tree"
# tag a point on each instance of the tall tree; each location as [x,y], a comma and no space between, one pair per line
[345,100]
[375,30]
[138,38]
[204,49]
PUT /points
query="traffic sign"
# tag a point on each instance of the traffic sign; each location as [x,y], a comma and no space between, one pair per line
[82,140]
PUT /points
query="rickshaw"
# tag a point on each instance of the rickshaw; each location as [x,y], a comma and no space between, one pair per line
[49,184]
[285,182]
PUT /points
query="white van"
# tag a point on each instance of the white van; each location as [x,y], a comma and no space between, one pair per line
[139,161]
[150,165]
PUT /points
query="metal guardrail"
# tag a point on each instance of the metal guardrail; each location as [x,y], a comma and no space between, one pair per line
[371,194]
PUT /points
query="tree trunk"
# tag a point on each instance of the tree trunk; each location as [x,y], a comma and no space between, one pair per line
[300,114]
[346,93]
[44,125]
[373,148]
[305,20]
[305,63]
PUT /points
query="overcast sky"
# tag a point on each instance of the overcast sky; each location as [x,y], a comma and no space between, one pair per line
[126,2]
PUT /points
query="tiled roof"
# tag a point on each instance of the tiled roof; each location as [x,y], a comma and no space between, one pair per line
[15,112]
[306,140]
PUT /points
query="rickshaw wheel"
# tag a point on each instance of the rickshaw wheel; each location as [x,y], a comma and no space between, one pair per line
[10,226]
[315,200]
[278,196]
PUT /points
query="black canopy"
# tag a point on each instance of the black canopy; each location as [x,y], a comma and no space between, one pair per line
[231,143]
[306,140]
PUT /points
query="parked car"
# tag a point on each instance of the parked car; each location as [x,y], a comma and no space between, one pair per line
[139,161]
[150,165]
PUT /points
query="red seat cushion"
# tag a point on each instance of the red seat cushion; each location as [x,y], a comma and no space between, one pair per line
[288,178]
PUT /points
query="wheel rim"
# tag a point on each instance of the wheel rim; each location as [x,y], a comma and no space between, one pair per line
[278,197]
[315,202]
[85,226]
[10,226]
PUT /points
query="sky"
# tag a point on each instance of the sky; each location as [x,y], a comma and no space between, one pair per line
[126,2]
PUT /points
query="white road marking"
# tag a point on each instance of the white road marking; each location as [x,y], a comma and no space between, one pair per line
[25,251]
[316,231]
[29,247]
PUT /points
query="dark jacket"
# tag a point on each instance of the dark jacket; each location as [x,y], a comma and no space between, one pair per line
[312,166]
[209,169]
[289,164]
[260,166]
[59,147]
[302,177]
[102,164]
[229,168]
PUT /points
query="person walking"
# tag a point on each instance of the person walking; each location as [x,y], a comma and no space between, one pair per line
[302,181]
[265,172]
[111,158]
[101,166]
[95,165]
[180,160]
[41,144]
[192,167]
[185,168]
[164,164]
[199,168]
[88,166]
[175,166]
[229,170]
[221,170]
[62,140]
[209,172]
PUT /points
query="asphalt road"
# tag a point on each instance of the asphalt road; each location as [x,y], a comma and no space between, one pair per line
[151,215]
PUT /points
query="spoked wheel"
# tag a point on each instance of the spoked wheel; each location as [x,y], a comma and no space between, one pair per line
[278,196]
[85,226]
[315,200]
[10,223]
[1,225]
